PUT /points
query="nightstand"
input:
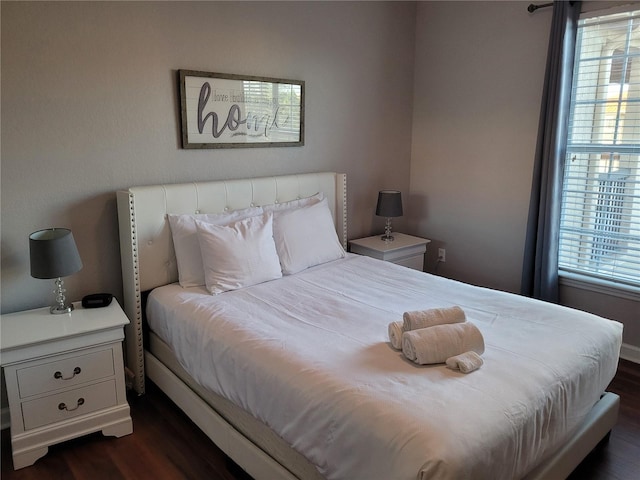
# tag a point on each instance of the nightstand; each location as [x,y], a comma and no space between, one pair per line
[405,249]
[64,376]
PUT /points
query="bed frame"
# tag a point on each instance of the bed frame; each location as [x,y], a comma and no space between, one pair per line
[148,261]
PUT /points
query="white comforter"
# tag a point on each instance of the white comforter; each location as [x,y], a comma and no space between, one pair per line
[309,355]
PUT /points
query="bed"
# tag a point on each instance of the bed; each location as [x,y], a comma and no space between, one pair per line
[355,407]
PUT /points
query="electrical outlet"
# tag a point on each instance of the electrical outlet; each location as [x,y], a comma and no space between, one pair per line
[442,255]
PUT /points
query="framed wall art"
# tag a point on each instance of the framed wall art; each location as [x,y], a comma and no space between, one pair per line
[236,111]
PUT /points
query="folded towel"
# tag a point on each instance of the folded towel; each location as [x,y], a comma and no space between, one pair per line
[466,362]
[436,344]
[395,335]
[435,316]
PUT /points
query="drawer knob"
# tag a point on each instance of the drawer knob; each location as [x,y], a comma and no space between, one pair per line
[76,371]
[63,406]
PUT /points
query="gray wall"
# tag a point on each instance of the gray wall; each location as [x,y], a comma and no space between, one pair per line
[479,73]
[90,105]
[478,83]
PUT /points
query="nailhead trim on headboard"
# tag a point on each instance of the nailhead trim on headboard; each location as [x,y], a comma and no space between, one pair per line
[344,211]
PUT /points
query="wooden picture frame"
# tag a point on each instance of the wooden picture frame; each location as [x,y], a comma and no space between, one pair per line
[237,111]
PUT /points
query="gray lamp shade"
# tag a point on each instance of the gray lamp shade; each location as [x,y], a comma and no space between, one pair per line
[389,203]
[53,253]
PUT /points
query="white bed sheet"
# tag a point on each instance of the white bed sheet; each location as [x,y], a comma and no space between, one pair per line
[309,355]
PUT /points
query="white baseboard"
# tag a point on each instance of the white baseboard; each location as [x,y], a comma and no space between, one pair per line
[4,418]
[630,352]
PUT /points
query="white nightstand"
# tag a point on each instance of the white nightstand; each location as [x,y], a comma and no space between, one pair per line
[405,250]
[65,377]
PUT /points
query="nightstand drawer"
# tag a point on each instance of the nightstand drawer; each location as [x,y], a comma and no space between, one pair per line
[66,405]
[64,373]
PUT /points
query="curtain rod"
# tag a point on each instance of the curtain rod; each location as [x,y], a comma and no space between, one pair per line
[532,8]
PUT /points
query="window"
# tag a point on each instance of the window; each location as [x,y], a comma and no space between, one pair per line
[600,215]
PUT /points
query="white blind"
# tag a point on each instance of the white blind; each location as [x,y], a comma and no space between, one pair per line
[600,216]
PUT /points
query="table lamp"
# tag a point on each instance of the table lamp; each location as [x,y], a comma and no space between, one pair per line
[53,254]
[389,205]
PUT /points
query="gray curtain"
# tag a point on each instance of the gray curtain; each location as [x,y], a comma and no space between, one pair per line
[540,268]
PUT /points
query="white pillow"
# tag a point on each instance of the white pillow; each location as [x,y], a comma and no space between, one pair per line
[306,237]
[297,203]
[238,255]
[185,241]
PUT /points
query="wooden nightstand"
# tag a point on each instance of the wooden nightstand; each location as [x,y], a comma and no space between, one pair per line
[64,376]
[405,250]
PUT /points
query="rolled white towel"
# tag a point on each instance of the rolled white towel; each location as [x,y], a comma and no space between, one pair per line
[437,343]
[466,362]
[434,316]
[395,335]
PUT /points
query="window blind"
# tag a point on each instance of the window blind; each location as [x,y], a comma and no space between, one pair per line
[600,214]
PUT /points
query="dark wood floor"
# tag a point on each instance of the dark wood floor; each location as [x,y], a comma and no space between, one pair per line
[166,445]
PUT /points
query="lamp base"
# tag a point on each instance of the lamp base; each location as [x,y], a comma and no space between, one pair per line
[61,306]
[58,309]
[387,237]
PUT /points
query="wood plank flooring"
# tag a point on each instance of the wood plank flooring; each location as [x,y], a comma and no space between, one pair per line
[167,445]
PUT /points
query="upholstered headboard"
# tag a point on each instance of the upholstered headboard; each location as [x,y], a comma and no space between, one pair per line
[146,246]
